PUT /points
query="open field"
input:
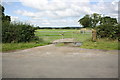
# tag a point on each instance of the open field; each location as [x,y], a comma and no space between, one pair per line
[51,35]
[48,36]
[53,61]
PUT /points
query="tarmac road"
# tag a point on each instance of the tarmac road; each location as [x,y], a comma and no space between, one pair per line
[60,62]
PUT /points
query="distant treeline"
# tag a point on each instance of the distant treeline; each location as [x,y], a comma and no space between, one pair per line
[58,27]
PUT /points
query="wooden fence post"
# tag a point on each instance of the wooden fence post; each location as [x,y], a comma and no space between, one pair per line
[94,36]
[62,35]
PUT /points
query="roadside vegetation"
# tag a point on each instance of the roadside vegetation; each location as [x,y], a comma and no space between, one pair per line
[107,32]
[18,46]
[103,44]
[106,26]
[17,36]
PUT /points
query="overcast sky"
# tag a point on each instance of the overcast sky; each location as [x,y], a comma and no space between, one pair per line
[57,12]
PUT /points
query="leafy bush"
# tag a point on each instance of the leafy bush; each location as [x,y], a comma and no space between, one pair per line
[108,31]
[17,32]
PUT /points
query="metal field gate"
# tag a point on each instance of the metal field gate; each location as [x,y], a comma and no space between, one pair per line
[51,35]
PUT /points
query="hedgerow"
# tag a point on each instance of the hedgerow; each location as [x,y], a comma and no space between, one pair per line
[108,31]
[17,32]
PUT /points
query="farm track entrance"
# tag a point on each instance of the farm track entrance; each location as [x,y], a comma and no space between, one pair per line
[51,61]
[52,35]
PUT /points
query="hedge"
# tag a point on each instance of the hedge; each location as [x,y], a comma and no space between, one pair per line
[17,32]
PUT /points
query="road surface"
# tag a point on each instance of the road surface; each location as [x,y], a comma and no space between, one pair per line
[60,62]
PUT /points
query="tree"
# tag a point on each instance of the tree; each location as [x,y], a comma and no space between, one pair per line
[2,10]
[86,21]
[108,20]
[108,28]
[5,18]
[16,32]
[95,19]
[90,20]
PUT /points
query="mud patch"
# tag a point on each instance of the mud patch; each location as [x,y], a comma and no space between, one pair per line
[71,44]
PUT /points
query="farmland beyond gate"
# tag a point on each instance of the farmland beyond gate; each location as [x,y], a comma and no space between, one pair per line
[50,35]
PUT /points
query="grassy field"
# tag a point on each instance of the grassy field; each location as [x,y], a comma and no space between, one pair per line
[51,35]
[48,35]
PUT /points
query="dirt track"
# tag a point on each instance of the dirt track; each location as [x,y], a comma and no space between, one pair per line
[60,62]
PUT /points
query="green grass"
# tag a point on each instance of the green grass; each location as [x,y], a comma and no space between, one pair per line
[53,34]
[48,37]
[101,44]
[60,44]
[56,29]
[16,46]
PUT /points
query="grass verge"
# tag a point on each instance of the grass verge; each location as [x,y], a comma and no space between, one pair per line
[101,44]
[16,46]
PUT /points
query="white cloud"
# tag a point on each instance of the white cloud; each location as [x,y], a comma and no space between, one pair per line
[25,13]
[106,8]
[14,18]
[54,4]
[50,12]
[56,9]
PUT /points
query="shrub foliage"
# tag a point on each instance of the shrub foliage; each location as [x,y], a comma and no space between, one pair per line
[16,32]
[108,28]
[108,31]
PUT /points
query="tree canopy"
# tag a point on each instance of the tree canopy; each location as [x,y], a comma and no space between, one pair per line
[108,20]
[94,19]
[106,26]
[86,21]
[5,18]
